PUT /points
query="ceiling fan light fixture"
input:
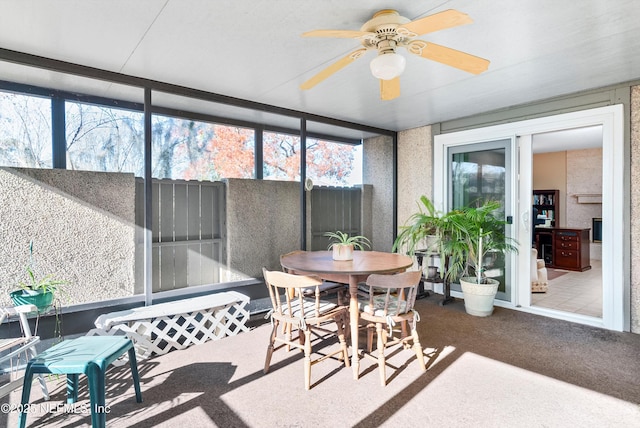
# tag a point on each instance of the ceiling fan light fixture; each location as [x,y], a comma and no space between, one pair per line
[387,66]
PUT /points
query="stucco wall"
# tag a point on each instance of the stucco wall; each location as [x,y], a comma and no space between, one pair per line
[82,227]
[263,222]
[571,172]
[635,209]
[377,171]
[584,176]
[415,170]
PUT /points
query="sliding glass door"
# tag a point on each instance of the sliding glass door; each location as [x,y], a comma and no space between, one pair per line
[465,163]
[477,173]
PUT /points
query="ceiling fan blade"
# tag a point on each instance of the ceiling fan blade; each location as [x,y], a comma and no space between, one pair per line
[438,21]
[454,58]
[336,66]
[341,34]
[389,89]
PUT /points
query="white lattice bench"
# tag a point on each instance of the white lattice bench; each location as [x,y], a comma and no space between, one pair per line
[161,328]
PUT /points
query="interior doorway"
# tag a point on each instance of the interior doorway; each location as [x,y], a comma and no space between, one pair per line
[568,162]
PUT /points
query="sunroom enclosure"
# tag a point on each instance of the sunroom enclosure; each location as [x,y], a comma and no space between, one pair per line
[254,205]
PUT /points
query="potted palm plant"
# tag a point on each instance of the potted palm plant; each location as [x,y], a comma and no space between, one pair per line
[474,232]
[463,238]
[36,290]
[343,245]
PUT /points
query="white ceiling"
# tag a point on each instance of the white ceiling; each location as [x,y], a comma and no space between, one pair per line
[569,139]
[253,50]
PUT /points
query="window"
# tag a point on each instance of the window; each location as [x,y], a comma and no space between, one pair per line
[334,164]
[328,163]
[25,131]
[104,139]
[191,150]
[281,154]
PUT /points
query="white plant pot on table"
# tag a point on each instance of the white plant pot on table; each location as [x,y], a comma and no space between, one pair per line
[342,252]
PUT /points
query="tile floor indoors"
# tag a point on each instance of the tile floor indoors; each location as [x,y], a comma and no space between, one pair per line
[578,292]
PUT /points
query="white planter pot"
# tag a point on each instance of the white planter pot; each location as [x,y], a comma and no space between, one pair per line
[431,244]
[342,252]
[478,298]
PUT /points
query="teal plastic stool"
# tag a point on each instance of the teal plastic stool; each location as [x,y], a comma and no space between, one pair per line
[90,355]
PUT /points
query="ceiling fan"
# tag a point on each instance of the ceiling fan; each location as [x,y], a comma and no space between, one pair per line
[386,32]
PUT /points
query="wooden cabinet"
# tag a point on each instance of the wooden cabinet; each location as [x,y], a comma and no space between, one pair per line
[547,203]
[564,248]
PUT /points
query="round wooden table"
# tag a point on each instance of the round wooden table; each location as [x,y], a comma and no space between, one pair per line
[364,263]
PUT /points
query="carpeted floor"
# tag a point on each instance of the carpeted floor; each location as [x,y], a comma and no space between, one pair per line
[509,370]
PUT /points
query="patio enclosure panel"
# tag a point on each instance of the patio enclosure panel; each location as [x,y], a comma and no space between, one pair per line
[333,209]
[188,233]
[189,230]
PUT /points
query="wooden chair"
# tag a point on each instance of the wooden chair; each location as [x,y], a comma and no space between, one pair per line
[307,314]
[327,287]
[13,347]
[382,312]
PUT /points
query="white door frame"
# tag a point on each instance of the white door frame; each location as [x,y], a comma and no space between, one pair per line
[615,313]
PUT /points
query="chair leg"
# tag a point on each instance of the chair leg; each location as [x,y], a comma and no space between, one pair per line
[33,353]
[26,392]
[72,388]
[307,359]
[95,377]
[405,331]
[287,334]
[417,347]
[381,358]
[370,328]
[341,337]
[270,348]
[346,326]
[133,363]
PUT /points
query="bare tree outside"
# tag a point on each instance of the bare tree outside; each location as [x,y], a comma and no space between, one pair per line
[25,131]
[104,138]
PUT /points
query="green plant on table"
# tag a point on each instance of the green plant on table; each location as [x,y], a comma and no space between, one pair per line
[342,238]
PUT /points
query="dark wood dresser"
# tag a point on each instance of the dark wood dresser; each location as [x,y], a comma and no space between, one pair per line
[563,248]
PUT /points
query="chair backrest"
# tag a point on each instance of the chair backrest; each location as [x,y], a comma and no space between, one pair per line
[391,295]
[288,301]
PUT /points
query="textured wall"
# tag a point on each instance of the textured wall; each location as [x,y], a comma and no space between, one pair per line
[377,171]
[82,226]
[263,222]
[584,175]
[635,209]
[415,170]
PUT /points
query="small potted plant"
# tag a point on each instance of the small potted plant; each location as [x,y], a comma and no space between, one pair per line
[428,230]
[423,230]
[36,290]
[343,245]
